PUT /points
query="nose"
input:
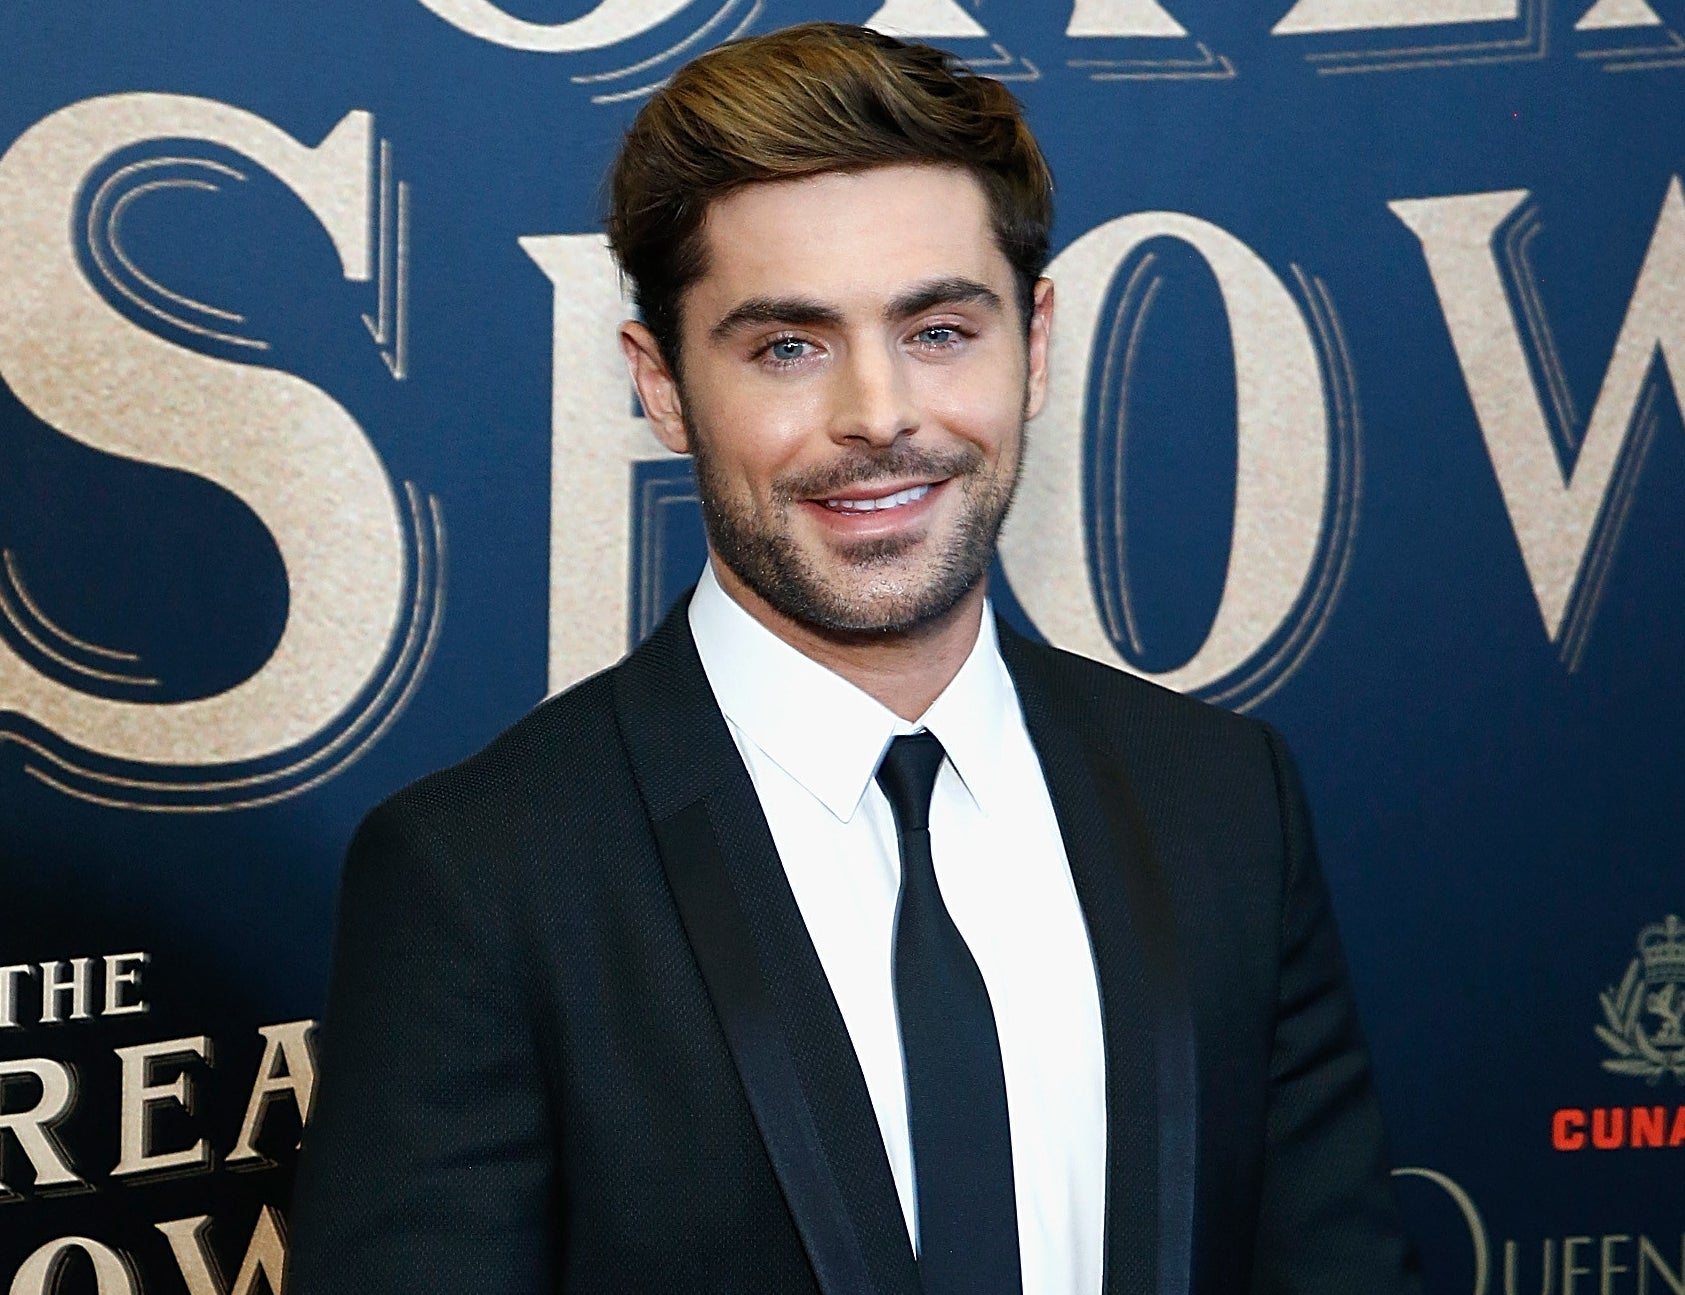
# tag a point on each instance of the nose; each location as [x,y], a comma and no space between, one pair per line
[875,402]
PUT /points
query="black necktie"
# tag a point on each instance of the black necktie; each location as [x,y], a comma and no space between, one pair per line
[956,1089]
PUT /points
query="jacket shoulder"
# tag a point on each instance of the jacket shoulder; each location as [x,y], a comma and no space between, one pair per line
[1206,779]
[566,751]
[1123,713]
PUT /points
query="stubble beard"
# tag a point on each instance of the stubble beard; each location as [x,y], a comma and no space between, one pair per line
[886,598]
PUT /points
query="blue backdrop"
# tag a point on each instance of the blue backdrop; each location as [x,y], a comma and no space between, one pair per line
[318,465]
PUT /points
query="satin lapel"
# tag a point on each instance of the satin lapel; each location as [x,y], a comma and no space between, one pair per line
[1150,1065]
[781,1022]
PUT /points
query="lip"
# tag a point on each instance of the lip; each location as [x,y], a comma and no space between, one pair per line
[877,523]
[875,489]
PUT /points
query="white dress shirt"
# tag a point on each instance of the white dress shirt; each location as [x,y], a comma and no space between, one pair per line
[812,742]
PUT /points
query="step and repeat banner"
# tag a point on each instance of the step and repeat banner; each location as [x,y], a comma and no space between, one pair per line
[319,465]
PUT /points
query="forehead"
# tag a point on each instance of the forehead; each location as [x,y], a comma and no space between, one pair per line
[845,236]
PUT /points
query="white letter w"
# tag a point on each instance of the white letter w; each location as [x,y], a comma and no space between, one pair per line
[1566,520]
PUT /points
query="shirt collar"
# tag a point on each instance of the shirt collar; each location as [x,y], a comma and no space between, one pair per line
[828,734]
[973,718]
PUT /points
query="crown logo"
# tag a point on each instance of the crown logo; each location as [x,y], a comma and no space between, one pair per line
[1644,1016]
[1662,946]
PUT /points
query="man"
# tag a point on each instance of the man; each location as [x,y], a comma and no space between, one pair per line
[839,939]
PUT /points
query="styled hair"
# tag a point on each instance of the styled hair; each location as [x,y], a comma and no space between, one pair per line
[810,99]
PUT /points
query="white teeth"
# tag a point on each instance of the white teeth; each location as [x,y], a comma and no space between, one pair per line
[907,496]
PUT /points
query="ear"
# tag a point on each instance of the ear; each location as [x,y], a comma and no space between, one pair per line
[1041,334]
[658,389]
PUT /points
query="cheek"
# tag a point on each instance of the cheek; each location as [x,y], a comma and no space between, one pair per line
[762,428]
[987,409]
[745,446]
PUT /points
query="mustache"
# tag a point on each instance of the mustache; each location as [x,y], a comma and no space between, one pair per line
[896,462]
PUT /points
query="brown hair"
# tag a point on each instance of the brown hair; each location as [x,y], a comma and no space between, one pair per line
[810,99]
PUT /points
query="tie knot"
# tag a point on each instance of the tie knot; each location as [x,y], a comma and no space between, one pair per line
[908,776]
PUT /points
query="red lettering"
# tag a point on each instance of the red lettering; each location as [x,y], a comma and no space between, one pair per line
[1608,1127]
[1649,1125]
[1568,1129]
[1611,1128]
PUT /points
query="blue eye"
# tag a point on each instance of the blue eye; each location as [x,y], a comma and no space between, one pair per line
[938,335]
[786,349]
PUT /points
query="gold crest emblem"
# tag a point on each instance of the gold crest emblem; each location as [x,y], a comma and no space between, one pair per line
[1644,1016]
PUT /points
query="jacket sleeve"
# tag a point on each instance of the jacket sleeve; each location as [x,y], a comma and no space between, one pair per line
[427,1163]
[1328,1223]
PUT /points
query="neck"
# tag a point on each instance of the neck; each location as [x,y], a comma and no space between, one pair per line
[905,670]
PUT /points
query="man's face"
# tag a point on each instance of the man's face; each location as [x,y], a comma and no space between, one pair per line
[856,380]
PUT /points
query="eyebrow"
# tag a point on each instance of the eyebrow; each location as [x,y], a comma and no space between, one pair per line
[802,311]
[953,291]
[807,313]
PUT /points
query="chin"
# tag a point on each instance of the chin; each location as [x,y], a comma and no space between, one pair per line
[897,585]
[873,607]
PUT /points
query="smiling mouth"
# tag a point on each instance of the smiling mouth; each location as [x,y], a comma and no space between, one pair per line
[899,499]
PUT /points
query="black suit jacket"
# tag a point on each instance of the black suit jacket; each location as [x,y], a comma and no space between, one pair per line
[578,1038]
